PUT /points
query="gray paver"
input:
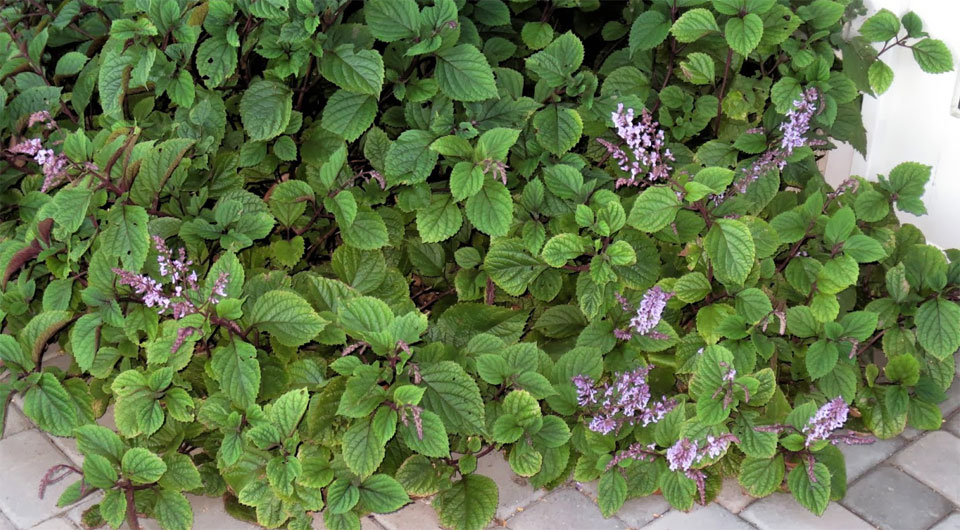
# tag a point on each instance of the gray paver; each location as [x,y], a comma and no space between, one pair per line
[25,458]
[861,458]
[935,461]
[418,515]
[881,495]
[57,523]
[5,524]
[953,424]
[515,491]
[563,509]
[952,522]
[712,516]
[773,513]
[952,403]
[208,512]
[640,511]
[732,497]
[15,421]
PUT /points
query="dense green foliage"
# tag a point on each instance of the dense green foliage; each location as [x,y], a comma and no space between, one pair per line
[409,242]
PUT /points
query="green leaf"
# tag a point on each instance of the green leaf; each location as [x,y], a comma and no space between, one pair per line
[182,474]
[363,450]
[491,210]
[265,109]
[392,20]
[648,31]
[813,496]
[880,76]
[50,406]
[562,248]
[440,220]
[360,72]
[463,74]
[216,61]
[923,415]
[126,236]
[753,304]
[510,266]
[933,56]
[555,63]
[382,494]
[496,143]
[611,492]
[729,245]
[362,394]
[677,489]
[142,466]
[821,357]
[692,287]
[99,472]
[434,443]
[287,317]
[694,24]
[840,226]
[469,504]
[70,64]
[761,476]
[454,396]
[558,129]
[881,26]
[84,338]
[821,13]
[238,372]
[864,249]
[410,158]
[536,35]
[698,68]
[367,231]
[938,327]
[654,209]
[348,114]
[563,181]
[903,369]
[113,507]
[173,510]
[744,34]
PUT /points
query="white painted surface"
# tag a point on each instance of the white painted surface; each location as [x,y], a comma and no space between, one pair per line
[915,121]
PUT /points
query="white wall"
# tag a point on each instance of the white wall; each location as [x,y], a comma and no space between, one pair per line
[912,121]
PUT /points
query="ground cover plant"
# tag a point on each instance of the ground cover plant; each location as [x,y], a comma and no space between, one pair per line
[323,254]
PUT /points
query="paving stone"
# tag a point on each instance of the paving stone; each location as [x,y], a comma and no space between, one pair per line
[208,512]
[69,445]
[563,509]
[5,524]
[75,511]
[15,421]
[952,522]
[515,491]
[952,403]
[935,461]
[419,515]
[732,497]
[770,513]
[911,434]
[57,523]
[893,500]
[25,458]
[712,516]
[640,511]
[862,458]
[953,425]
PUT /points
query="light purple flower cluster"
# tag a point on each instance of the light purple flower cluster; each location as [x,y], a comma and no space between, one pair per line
[727,383]
[625,401]
[798,124]
[794,130]
[180,300]
[687,452]
[42,117]
[648,314]
[645,141]
[54,165]
[830,417]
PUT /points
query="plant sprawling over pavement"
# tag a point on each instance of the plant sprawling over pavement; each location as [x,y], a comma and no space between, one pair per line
[322,255]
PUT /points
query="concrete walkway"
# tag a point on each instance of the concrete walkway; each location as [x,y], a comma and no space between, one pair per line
[909,483]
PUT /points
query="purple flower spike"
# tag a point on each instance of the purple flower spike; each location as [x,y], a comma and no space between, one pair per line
[828,418]
[645,141]
[650,310]
[682,454]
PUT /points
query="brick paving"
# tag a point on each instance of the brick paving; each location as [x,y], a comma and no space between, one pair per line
[908,483]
